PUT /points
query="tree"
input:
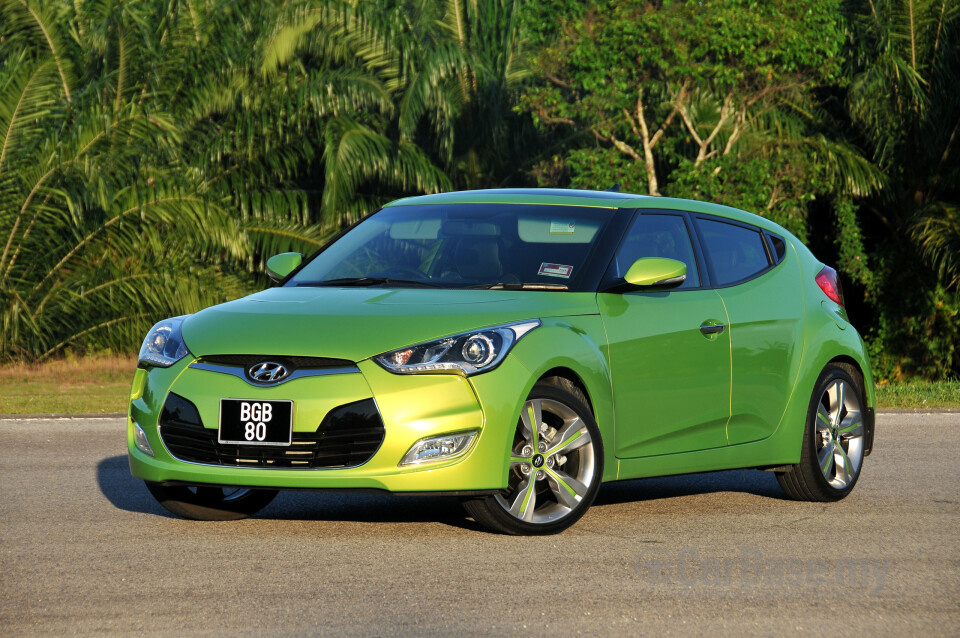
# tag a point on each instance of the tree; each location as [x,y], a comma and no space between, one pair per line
[99,231]
[904,60]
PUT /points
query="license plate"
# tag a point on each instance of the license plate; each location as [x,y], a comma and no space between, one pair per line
[251,422]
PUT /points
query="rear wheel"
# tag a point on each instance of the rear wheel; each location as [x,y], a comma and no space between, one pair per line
[556,462]
[832,452]
[208,503]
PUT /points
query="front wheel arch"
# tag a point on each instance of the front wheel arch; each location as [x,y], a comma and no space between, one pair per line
[569,380]
[555,465]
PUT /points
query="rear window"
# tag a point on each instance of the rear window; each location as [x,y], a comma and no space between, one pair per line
[736,252]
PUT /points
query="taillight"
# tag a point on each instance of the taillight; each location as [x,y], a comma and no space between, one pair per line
[830,284]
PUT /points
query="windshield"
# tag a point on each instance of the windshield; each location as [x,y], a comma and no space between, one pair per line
[462,246]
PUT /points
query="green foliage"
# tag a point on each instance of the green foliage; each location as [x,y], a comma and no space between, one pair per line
[773,187]
[836,121]
[903,61]
[600,167]
[154,154]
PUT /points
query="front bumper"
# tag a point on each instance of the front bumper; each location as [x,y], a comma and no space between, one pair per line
[411,406]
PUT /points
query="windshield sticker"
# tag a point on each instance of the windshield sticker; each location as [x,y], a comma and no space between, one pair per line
[555,270]
[562,227]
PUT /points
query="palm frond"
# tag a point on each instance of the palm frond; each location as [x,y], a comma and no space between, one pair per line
[936,229]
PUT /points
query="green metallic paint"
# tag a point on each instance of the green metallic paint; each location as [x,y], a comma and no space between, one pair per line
[651,271]
[279,266]
[663,394]
[568,346]
[671,384]
[349,323]
[766,330]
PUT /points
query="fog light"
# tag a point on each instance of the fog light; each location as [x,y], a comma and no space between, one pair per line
[140,438]
[439,448]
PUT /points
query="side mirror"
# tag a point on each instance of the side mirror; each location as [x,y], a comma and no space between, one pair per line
[279,266]
[656,272]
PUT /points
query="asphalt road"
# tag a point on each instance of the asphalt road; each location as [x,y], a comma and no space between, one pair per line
[85,550]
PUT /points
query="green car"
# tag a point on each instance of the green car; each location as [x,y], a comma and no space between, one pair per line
[514,348]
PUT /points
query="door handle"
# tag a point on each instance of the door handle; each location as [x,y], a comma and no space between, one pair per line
[712,329]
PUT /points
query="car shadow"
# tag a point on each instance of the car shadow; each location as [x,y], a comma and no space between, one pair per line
[128,493]
[123,490]
[650,489]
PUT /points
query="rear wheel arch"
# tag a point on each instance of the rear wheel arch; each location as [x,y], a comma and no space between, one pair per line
[854,369]
[849,362]
[836,435]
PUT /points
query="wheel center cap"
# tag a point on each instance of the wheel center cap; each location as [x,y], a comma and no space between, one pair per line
[538,460]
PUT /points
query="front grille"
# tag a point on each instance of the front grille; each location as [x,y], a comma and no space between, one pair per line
[348,436]
[292,363]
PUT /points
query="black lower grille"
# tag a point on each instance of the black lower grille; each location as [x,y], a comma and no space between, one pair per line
[348,436]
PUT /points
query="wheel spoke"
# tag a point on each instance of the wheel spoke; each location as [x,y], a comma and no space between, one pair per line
[531,417]
[852,426]
[568,490]
[826,459]
[841,400]
[836,396]
[526,500]
[518,460]
[845,475]
[823,418]
[573,435]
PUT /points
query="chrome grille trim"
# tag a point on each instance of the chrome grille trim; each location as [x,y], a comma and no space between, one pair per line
[239,372]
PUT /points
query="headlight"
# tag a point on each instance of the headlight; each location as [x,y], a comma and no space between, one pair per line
[164,346]
[467,353]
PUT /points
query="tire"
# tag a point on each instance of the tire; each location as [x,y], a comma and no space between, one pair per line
[201,503]
[831,456]
[567,452]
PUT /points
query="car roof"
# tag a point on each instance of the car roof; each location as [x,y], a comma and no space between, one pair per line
[586,198]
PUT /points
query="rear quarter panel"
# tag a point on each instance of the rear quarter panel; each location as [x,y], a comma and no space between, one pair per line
[828,336]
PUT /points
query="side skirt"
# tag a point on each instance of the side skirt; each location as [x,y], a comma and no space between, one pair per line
[757,454]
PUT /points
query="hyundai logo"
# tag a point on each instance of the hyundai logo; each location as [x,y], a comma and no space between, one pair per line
[268,372]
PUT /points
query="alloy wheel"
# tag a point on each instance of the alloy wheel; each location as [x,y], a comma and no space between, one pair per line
[839,435]
[552,465]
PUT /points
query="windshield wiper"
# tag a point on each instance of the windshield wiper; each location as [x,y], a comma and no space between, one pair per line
[368,281]
[516,285]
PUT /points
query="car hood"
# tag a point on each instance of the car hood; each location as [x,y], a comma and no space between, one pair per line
[357,323]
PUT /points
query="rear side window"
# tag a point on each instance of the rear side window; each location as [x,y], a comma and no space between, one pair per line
[658,236]
[779,246]
[736,253]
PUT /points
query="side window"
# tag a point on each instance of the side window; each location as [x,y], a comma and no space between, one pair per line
[658,236]
[735,252]
[779,246]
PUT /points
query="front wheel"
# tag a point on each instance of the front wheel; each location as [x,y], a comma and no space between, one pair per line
[208,503]
[556,463]
[833,438]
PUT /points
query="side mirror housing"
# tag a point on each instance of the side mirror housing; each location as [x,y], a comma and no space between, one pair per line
[656,272]
[279,266]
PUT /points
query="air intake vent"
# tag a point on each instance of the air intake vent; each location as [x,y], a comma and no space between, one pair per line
[348,436]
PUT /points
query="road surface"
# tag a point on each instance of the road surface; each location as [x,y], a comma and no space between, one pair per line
[85,550]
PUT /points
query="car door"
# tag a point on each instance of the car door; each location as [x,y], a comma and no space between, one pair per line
[669,356]
[758,279]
